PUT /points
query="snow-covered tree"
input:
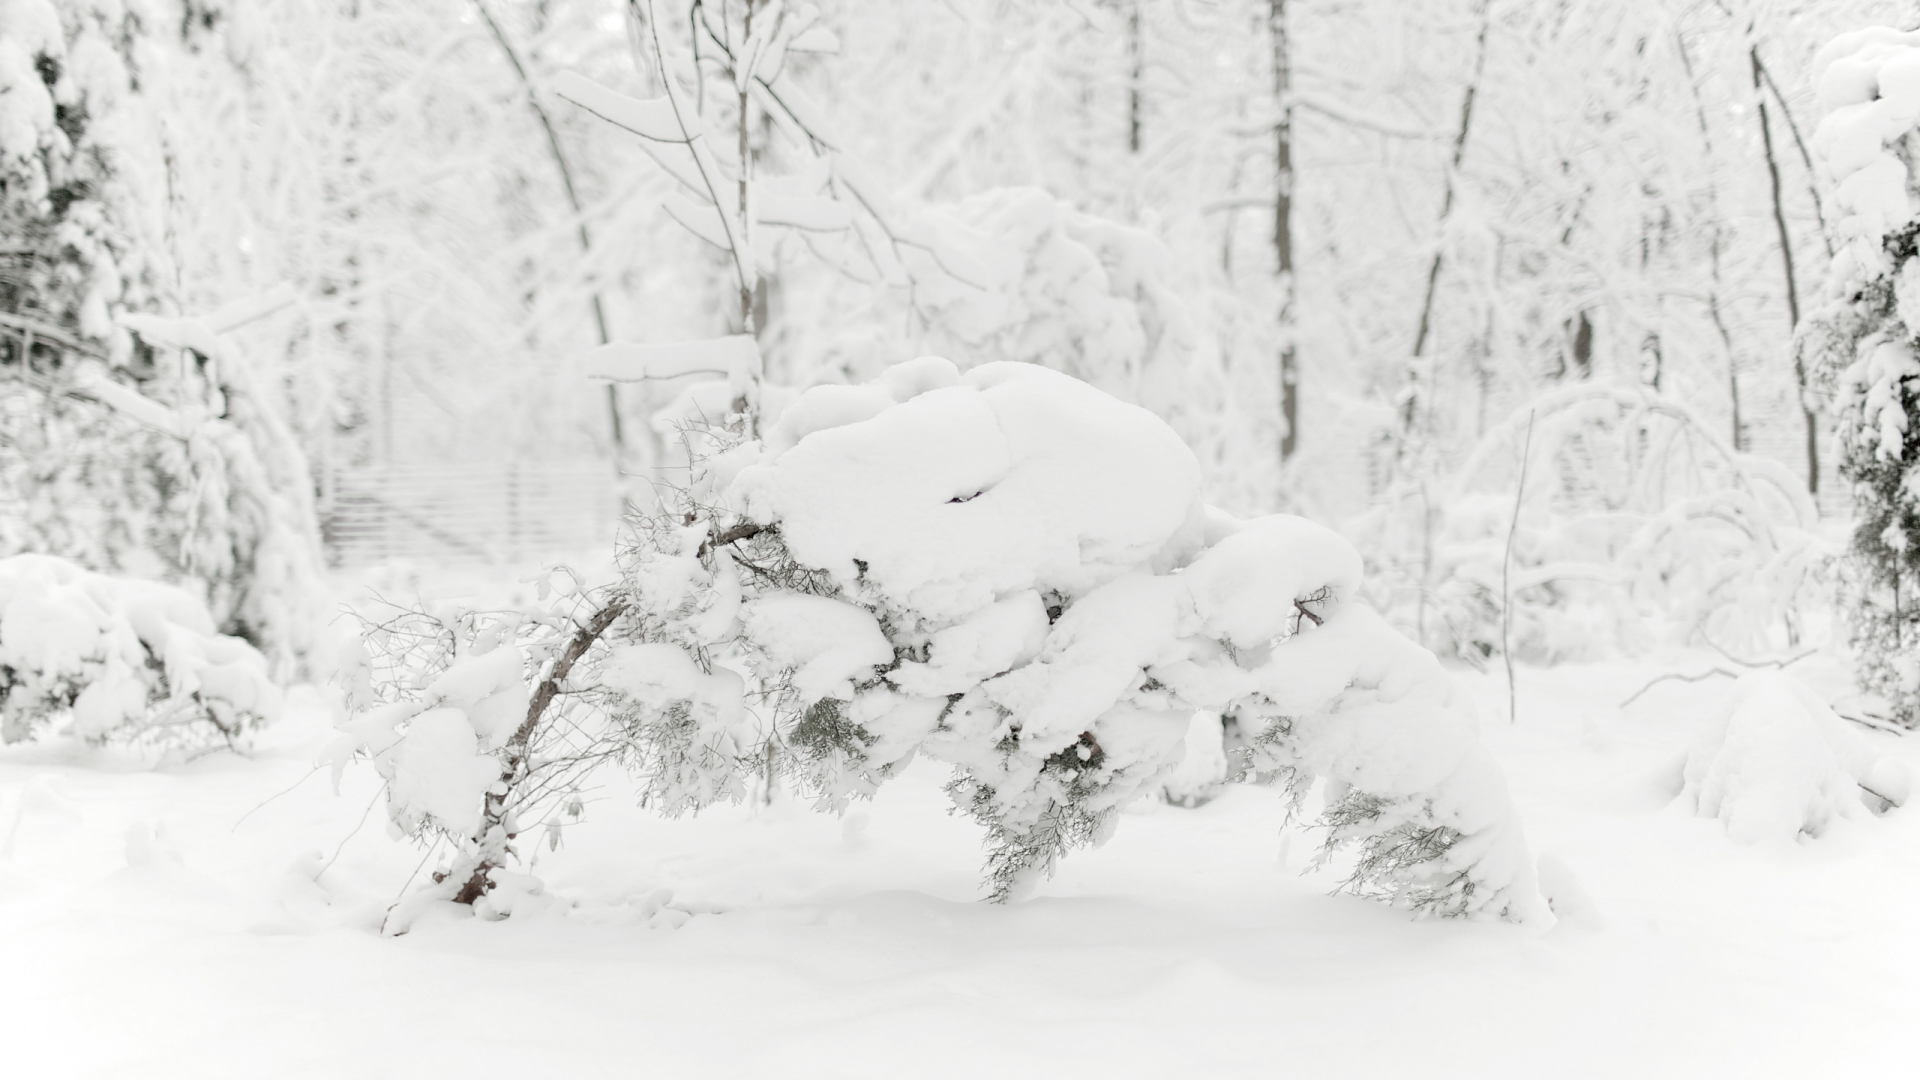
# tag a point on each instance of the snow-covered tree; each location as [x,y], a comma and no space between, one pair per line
[1862,344]
[132,442]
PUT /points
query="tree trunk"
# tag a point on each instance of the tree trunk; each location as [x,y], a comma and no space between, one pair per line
[1283,230]
[1136,57]
[1411,410]
[1786,260]
[573,199]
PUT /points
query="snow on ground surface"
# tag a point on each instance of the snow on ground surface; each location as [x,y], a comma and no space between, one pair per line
[218,918]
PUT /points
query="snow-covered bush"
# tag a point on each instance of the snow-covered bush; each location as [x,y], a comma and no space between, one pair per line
[1011,572]
[121,659]
[472,719]
[1862,344]
[1637,523]
[1778,762]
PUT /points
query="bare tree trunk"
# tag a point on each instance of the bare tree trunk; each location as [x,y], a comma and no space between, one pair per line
[573,199]
[746,169]
[1136,56]
[1786,260]
[1283,229]
[1411,409]
[1715,243]
[1806,158]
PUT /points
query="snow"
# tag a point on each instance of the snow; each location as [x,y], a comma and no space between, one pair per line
[1883,369]
[1203,767]
[1013,479]
[489,689]
[831,644]
[437,771]
[1778,762]
[1868,83]
[995,639]
[229,926]
[137,656]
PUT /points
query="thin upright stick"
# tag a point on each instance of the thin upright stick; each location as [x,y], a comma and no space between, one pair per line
[1506,573]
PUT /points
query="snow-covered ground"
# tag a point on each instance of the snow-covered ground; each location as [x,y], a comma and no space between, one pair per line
[219,918]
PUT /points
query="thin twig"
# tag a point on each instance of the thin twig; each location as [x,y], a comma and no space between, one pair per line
[1677,677]
[1506,573]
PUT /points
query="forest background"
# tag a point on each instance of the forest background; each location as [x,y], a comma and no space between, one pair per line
[1343,247]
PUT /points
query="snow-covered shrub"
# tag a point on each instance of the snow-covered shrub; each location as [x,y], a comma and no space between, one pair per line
[1008,571]
[121,659]
[1637,523]
[472,719]
[1778,762]
[1012,572]
[1862,344]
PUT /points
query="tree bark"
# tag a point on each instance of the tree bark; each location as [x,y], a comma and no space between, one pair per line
[1715,243]
[1136,57]
[1410,411]
[1786,262]
[1283,229]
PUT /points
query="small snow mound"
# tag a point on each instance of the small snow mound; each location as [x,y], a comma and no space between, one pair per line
[1564,894]
[1777,762]
[1202,772]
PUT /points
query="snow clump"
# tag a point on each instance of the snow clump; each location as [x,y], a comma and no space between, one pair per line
[1778,762]
[1012,572]
[119,658]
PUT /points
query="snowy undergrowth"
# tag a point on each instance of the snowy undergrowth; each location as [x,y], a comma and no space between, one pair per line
[1006,571]
[120,658]
[1637,527]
